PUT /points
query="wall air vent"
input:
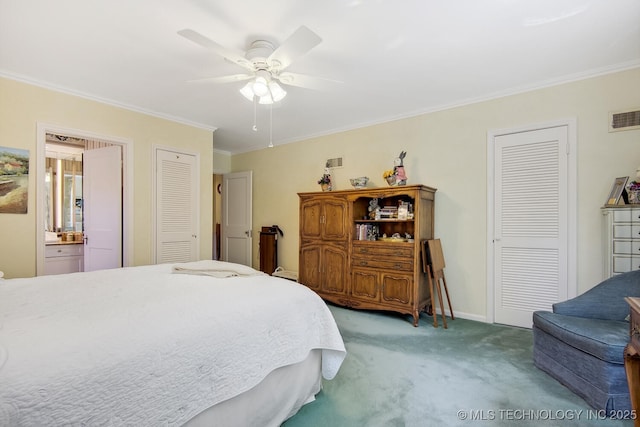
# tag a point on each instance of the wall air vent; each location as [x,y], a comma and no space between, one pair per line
[334,163]
[624,120]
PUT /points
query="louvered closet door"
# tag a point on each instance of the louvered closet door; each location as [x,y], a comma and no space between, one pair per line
[177,204]
[531,241]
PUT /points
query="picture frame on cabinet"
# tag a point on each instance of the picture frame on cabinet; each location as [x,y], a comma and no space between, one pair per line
[618,191]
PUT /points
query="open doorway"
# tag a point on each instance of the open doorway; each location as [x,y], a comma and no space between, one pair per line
[47,222]
[217,215]
[232,217]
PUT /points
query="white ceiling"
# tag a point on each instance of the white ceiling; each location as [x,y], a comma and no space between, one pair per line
[395,58]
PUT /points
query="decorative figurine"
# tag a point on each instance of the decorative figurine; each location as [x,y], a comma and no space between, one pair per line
[398,169]
[374,209]
[325,180]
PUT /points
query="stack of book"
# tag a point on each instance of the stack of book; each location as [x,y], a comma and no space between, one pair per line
[366,232]
[389,212]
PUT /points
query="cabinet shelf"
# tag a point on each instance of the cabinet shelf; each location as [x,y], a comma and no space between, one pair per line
[373,221]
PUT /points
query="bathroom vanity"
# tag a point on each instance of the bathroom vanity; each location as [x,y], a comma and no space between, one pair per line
[63,257]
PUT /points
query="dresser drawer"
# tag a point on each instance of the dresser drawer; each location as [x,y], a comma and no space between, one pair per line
[626,215]
[626,247]
[383,263]
[626,231]
[52,251]
[623,264]
[380,250]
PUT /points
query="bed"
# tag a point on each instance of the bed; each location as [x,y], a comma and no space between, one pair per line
[196,344]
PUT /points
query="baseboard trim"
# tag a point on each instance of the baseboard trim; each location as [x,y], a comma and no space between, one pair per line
[463,315]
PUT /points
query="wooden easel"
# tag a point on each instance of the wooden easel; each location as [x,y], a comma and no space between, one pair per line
[433,266]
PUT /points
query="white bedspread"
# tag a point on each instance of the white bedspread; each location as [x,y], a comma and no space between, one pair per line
[143,346]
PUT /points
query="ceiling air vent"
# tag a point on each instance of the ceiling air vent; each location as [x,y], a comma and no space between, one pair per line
[624,120]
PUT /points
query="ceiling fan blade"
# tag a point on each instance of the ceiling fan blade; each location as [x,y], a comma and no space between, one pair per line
[308,82]
[231,56]
[299,43]
[223,79]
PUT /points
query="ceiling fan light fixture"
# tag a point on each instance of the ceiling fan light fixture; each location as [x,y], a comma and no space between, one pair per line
[277,92]
[260,86]
[247,91]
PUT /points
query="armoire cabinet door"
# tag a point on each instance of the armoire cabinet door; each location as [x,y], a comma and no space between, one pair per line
[323,218]
[310,265]
[335,219]
[365,284]
[334,266]
[311,219]
[396,288]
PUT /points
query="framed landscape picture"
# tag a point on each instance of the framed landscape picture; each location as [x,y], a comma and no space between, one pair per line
[14,180]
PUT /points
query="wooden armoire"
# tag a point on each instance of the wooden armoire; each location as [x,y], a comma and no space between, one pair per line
[352,257]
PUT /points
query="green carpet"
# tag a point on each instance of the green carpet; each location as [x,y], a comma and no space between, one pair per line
[472,374]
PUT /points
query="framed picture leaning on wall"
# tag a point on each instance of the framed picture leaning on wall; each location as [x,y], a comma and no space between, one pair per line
[617,191]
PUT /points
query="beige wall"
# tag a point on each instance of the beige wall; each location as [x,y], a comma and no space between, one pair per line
[221,161]
[22,106]
[448,150]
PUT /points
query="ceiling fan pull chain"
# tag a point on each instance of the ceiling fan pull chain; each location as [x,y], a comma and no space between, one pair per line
[255,124]
[270,126]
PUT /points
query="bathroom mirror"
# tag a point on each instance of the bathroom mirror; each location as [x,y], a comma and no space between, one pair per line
[63,187]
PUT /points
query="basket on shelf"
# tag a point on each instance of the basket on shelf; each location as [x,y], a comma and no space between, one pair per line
[634,196]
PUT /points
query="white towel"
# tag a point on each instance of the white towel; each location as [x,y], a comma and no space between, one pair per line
[213,268]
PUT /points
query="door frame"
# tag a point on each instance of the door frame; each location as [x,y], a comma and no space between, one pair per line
[572,208]
[127,187]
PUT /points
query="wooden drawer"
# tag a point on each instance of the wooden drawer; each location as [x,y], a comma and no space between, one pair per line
[402,264]
[52,251]
[381,250]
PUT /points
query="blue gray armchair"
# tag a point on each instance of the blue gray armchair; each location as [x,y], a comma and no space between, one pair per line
[581,343]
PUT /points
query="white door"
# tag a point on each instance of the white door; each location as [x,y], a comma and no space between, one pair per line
[177,207]
[236,217]
[531,223]
[102,199]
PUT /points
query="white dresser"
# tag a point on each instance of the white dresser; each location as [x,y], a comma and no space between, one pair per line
[621,239]
[62,258]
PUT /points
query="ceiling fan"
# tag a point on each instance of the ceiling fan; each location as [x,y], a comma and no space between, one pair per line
[264,64]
